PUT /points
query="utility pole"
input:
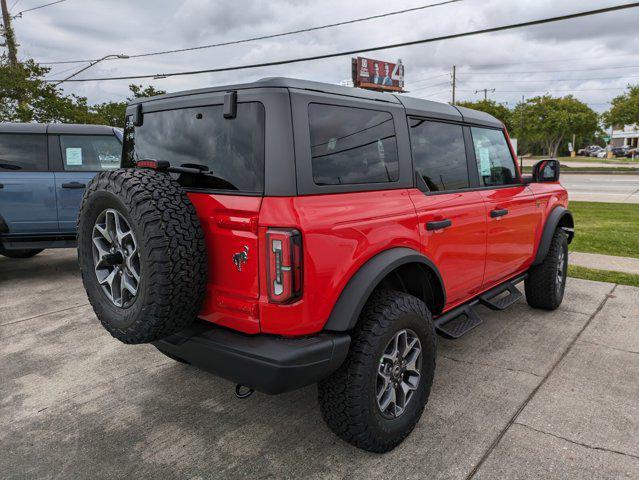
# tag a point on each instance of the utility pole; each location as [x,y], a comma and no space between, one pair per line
[485,90]
[454,81]
[9,37]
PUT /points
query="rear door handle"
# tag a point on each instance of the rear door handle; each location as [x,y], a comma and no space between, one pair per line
[430,226]
[73,185]
[498,213]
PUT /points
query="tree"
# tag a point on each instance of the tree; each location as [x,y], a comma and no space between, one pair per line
[551,121]
[26,97]
[497,110]
[112,113]
[624,109]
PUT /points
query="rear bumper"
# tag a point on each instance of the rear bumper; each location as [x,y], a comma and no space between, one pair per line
[264,362]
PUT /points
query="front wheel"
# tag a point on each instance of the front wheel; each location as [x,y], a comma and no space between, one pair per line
[546,282]
[375,399]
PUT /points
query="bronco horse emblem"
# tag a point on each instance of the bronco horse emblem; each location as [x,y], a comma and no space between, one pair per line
[240,258]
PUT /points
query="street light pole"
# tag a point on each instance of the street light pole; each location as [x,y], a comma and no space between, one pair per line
[94,62]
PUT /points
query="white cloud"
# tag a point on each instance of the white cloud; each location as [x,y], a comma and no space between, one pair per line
[90,29]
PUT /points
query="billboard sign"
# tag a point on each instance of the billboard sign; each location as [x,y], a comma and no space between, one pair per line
[378,75]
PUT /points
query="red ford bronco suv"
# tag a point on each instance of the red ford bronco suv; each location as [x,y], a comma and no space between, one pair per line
[284,232]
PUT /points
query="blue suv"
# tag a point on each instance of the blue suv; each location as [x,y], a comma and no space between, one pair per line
[44,169]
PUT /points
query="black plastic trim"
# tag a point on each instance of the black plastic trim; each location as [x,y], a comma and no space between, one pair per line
[549,230]
[360,286]
[31,237]
[266,363]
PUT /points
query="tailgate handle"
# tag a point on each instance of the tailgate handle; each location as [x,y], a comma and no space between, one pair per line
[430,226]
[498,213]
[73,185]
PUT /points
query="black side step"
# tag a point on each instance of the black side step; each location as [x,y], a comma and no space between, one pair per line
[464,318]
[458,322]
[489,298]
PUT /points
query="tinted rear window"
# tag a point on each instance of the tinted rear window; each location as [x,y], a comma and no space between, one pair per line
[90,153]
[23,152]
[231,149]
[352,145]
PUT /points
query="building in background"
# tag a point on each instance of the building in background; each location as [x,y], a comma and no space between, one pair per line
[627,136]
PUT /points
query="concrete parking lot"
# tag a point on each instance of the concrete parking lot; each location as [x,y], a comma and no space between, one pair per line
[529,394]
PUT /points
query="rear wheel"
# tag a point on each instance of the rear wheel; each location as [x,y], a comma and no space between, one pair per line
[546,283]
[375,399]
[22,253]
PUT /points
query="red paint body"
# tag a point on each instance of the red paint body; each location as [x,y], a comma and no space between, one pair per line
[340,232]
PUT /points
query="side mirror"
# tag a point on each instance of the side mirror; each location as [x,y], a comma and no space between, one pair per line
[546,171]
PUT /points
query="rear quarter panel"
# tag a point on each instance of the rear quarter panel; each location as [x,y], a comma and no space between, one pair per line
[340,233]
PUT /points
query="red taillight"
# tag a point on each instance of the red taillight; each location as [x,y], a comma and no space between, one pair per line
[147,164]
[284,257]
[153,164]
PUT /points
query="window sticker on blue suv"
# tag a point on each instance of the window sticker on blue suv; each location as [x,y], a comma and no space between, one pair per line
[90,153]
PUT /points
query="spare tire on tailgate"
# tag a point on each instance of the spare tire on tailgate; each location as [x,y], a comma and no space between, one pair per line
[142,254]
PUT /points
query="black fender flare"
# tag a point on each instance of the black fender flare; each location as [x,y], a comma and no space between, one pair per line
[351,301]
[557,216]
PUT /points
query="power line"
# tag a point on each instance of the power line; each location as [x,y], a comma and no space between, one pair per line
[557,79]
[548,71]
[275,35]
[558,60]
[372,49]
[430,86]
[419,80]
[19,14]
[555,90]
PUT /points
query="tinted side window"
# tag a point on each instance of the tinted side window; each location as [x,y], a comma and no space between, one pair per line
[24,152]
[494,160]
[439,154]
[232,150]
[90,152]
[352,145]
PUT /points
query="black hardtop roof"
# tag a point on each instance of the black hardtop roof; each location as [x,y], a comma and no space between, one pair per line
[56,128]
[414,106]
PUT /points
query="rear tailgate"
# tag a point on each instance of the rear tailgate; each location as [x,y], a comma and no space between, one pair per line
[230,227]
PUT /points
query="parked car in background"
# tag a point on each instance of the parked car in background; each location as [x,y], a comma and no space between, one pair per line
[585,152]
[44,169]
[594,151]
[603,153]
[620,151]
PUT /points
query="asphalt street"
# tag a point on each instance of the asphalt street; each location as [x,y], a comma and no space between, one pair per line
[615,188]
[528,394]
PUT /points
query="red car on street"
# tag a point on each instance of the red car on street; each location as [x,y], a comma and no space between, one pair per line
[285,232]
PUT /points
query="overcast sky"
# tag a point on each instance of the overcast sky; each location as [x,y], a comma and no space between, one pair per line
[80,29]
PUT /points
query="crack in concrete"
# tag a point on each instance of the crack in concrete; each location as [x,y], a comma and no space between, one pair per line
[468,362]
[603,449]
[501,434]
[43,314]
[608,346]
